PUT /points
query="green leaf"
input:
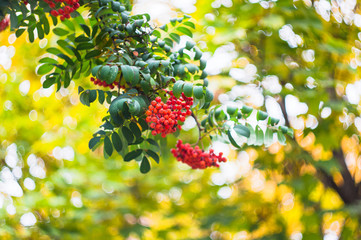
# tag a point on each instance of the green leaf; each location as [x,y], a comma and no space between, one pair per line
[86,29]
[94,141]
[177,88]
[242,130]
[76,53]
[104,73]
[144,165]
[189,45]
[54,51]
[19,32]
[185,31]
[198,92]
[92,54]
[284,129]
[135,129]
[49,82]
[268,137]
[153,142]
[261,115]
[175,37]
[66,58]
[48,60]
[108,146]
[259,136]
[232,110]
[101,96]
[273,121]
[190,24]
[69,24]
[281,137]
[131,74]
[40,30]
[128,135]
[84,98]
[95,70]
[117,142]
[231,138]
[198,54]
[252,135]
[85,46]
[202,64]
[31,34]
[82,38]
[209,96]
[188,89]
[132,155]
[80,89]
[290,132]
[92,95]
[113,72]
[246,110]
[164,27]
[60,32]
[13,20]
[153,155]
[45,68]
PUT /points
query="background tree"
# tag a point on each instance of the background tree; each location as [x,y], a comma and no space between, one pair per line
[277,51]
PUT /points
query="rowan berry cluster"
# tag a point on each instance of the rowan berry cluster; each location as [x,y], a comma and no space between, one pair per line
[196,157]
[101,83]
[4,24]
[64,12]
[163,117]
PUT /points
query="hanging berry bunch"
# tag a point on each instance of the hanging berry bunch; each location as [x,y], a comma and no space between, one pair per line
[101,83]
[62,8]
[163,117]
[196,158]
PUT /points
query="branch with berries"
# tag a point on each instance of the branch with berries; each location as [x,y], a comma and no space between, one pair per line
[135,71]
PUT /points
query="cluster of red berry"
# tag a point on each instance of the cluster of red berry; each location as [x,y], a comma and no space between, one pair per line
[4,23]
[163,117]
[69,6]
[101,83]
[196,157]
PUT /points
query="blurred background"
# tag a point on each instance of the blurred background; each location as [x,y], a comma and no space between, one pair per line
[298,60]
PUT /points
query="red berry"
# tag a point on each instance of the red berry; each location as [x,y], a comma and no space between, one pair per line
[196,157]
[54,13]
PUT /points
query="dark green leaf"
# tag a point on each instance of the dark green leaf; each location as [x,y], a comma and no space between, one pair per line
[93,142]
[153,155]
[128,135]
[60,32]
[101,96]
[144,165]
[108,146]
[86,29]
[135,129]
[117,142]
[92,54]
[133,155]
